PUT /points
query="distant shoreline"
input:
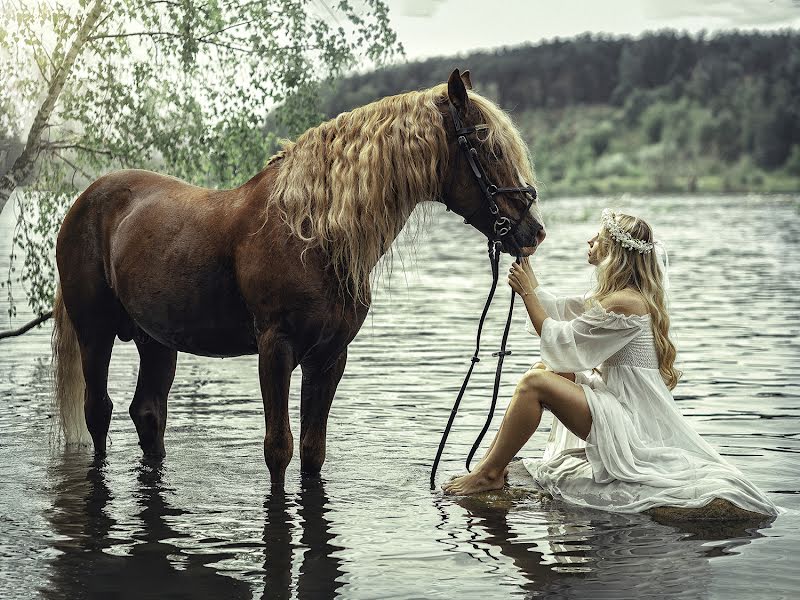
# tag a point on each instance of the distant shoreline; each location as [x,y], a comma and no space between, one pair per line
[704,185]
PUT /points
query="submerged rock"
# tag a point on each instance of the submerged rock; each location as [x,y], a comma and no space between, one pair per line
[716,510]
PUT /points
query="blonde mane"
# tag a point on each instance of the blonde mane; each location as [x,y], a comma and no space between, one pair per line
[349,185]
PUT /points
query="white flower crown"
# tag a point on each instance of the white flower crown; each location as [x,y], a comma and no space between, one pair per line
[629,242]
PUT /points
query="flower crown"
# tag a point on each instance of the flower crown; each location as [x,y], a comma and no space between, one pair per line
[629,242]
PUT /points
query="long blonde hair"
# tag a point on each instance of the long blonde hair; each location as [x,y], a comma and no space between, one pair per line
[621,268]
[349,185]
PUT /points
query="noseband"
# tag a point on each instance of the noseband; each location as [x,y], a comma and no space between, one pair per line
[502,225]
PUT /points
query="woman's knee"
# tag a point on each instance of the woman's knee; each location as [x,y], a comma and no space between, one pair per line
[533,382]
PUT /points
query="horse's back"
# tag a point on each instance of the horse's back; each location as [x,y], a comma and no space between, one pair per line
[164,250]
[110,198]
[143,199]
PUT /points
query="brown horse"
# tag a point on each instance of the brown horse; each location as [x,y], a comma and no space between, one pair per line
[279,267]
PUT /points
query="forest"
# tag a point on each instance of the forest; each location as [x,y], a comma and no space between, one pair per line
[665,112]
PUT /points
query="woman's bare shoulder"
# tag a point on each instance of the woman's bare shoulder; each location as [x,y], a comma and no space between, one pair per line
[626,302]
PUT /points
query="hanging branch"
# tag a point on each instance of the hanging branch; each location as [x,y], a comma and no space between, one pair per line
[27,327]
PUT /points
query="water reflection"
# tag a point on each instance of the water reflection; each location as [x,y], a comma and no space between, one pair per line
[570,552]
[320,570]
[101,555]
[278,546]
[153,567]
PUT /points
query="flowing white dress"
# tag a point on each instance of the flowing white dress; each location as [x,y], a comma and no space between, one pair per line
[640,452]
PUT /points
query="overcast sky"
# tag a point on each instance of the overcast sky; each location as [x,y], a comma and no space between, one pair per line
[447,27]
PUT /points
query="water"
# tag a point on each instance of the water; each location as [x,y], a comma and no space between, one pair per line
[207,525]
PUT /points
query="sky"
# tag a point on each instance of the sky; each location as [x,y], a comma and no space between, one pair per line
[450,27]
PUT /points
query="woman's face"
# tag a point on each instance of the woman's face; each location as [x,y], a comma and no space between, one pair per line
[594,256]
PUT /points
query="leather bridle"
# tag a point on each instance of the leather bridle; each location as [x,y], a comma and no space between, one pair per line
[502,225]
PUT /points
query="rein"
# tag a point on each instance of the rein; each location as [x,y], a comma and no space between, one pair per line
[494,258]
[502,226]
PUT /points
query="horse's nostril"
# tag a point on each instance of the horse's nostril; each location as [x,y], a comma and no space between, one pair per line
[540,235]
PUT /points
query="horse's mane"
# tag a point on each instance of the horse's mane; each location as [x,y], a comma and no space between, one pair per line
[349,185]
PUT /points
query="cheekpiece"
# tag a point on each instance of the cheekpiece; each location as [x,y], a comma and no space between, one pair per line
[628,242]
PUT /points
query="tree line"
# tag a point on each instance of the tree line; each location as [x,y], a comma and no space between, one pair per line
[746,84]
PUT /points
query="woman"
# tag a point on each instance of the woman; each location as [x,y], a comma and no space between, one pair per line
[618,441]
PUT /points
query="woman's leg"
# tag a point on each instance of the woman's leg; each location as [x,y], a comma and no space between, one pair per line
[536,390]
[538,365]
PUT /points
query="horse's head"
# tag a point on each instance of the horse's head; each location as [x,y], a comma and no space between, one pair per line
[490,178]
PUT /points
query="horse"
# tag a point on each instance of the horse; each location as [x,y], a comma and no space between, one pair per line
[278,267]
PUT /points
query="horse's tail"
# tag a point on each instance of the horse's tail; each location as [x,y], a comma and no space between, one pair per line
[68,382]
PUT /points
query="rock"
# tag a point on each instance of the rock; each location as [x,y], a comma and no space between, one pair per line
[716,510]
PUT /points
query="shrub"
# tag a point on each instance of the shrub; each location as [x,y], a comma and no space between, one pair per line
[616,164]
[599,138]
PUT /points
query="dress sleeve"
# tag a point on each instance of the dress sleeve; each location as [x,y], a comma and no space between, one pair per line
[586,341]
[560,308]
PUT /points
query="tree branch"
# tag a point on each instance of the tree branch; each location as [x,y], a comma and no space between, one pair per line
[27,327]
[68,146]
[104,36]
[201,40]
[75,168]
[205,36]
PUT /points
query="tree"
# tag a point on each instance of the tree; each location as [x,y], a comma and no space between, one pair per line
[184,86]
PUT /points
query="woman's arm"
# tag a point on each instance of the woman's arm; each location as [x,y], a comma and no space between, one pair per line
[535,310]
[561,308]
[587,341]
[519,279]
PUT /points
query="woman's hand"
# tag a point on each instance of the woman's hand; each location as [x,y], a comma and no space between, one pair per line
[540,365]
[519,280]
[544,367]
[527,267]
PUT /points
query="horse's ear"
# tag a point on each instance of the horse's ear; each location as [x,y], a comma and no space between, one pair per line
[457,92]
[467,81]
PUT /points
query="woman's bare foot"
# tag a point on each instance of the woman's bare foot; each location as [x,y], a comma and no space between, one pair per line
[474,482]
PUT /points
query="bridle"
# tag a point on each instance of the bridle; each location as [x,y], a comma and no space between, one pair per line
[502,225]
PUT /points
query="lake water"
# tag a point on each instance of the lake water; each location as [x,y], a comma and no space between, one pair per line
[206,524]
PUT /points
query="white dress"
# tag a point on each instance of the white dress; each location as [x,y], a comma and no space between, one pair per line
[640,452]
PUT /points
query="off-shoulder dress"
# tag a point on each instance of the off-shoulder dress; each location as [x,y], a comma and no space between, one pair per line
[641,452]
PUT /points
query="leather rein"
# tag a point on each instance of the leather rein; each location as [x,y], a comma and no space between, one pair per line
[501,227]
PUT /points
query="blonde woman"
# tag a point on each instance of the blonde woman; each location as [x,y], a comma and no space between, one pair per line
[618,441]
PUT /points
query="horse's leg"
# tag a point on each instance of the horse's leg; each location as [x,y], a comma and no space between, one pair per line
[276,361]
[149,407]
[96,340]
[316,397]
